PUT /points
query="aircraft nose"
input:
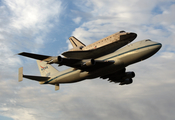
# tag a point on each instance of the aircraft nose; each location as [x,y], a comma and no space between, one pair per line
[155,46]
[151,48]
[159,45]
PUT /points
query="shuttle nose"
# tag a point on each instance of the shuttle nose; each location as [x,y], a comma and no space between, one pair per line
[159,45]
[128,36]
[133,35]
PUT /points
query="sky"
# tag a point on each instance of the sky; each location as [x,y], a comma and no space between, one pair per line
[43,27]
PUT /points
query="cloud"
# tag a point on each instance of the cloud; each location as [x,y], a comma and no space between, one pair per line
[124,15]
[77,20]
[150,96]
[25,25]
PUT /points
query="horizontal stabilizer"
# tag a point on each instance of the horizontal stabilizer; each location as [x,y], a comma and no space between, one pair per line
[37,78]
[36,56]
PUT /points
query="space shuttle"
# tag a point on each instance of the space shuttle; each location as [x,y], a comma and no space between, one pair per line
[101,47]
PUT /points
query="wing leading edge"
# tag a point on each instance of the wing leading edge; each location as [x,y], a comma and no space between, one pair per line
[36,56]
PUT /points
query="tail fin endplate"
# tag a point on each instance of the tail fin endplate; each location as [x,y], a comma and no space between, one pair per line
[20,75]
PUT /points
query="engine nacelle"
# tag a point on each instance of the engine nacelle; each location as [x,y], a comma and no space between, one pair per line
[72,62]
[126,81]
[57,59]
[125,78]
[128,78]
[89,63]
[129,75]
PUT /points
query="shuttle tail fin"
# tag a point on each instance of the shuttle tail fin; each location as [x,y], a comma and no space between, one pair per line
[46,70]
[75,42]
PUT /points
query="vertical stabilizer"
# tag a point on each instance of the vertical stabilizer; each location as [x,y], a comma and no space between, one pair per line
[46,70]
[75,42]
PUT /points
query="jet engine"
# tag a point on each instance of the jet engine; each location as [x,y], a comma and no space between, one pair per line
[126,81]
[88,62]
[57,59]
[72,62]
[125,78]
[129,74]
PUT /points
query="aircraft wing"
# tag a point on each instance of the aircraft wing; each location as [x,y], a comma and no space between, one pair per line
[120,76]
[91,65]
[51,59]
[117,75]
[82,64]
[37,56]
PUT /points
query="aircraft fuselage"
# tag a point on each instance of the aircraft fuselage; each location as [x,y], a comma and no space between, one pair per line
[123,57]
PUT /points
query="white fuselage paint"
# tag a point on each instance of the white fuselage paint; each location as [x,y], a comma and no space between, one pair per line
[123,57]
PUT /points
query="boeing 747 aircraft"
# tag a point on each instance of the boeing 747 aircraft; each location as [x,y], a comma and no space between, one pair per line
[109,66]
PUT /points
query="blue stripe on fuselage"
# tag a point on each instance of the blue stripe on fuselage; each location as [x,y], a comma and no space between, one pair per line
[57,77]
[132,50]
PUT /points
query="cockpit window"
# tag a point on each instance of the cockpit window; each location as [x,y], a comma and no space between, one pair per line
[148,40]
[121,31]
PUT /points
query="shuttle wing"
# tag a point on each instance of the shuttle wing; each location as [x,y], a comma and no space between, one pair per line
[84,54]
